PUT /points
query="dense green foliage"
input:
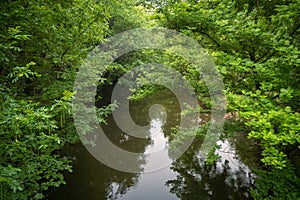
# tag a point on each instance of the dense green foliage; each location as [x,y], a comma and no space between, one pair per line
[255,44]
[42,45]
[256,48]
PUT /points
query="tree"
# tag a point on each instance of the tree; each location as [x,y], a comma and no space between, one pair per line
[256,48]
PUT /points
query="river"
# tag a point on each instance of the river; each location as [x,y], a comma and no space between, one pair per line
[187,178]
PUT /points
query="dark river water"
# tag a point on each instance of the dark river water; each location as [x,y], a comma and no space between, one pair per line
[187,178]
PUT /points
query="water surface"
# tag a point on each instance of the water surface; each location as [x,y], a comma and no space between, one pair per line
[187,178]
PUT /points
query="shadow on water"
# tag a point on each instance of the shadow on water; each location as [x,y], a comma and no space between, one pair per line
[187,178]
[228,178]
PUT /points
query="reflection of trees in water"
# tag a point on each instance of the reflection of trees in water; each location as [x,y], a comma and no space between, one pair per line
[197,180]
[94,181]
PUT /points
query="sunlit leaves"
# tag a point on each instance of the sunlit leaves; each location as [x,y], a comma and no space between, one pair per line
[23,72]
